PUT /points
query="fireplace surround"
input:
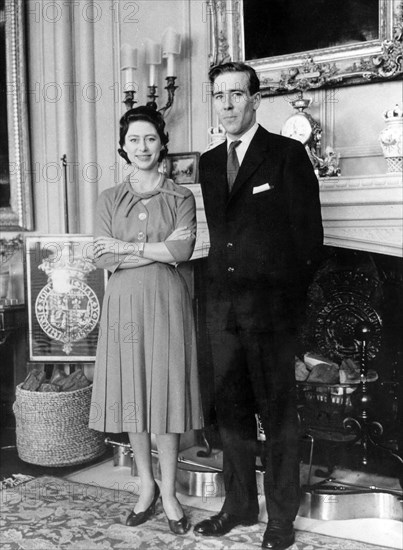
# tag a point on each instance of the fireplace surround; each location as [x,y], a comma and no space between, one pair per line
[364,212]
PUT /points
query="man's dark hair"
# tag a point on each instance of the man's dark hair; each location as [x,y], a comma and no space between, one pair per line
[236,67]
[148,114]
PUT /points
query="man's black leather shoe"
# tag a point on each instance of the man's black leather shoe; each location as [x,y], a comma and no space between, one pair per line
[220,524]
[279,535]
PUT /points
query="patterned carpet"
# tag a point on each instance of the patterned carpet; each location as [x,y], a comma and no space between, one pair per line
[55,514]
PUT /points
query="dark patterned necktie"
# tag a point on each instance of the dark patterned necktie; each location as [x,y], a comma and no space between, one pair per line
[232,164]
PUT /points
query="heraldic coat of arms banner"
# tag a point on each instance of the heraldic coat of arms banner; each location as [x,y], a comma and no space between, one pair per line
[65,292]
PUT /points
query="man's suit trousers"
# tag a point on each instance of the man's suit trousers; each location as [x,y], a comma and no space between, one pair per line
[254,373]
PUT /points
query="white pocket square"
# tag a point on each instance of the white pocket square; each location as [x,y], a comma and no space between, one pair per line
[261,188]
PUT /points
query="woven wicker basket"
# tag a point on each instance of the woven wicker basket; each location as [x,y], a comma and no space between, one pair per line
[52,427]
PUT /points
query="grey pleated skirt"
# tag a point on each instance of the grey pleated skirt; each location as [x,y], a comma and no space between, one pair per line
[145,377]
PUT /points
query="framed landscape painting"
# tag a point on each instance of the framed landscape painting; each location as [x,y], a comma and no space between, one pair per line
[183,167]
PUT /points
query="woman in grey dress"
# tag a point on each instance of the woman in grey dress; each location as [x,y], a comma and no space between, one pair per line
[145,379]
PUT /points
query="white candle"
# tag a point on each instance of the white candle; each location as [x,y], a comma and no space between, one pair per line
[128,61]
[152,75]
[128,80]
[153,58]
[170,64]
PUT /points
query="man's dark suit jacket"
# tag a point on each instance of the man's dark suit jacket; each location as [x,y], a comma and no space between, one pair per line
[264,245]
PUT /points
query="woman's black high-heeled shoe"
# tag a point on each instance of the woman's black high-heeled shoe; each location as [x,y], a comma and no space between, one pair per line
[180,526]
[133,519]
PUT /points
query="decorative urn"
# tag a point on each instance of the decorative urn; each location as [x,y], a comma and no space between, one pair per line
[391,138]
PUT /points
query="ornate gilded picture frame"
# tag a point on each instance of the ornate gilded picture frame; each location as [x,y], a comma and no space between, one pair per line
[364,62]
[16,210]
[64,293]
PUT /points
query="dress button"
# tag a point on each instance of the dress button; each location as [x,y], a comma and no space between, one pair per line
[231,269]
[142,216]
[140,235]
[229,245]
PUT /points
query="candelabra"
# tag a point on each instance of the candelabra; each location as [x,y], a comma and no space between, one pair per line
[170,88]
[171,45]
[129,96]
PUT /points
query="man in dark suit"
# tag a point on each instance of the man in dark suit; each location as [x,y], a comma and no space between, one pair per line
[261,199]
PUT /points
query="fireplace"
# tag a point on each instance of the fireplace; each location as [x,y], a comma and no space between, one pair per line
[355,289]
[363,226]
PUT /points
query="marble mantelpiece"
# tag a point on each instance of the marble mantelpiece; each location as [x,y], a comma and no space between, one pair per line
[364,212]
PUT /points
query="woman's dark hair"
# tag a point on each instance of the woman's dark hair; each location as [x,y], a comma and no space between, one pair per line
[147,114]
[236,67]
